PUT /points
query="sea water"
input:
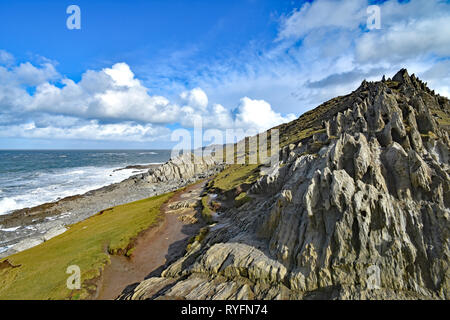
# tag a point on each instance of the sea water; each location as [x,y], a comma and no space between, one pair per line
[31,178]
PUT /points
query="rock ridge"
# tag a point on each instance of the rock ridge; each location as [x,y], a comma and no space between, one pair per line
[359,210]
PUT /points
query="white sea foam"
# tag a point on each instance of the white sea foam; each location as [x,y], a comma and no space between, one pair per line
[3,249]
[7,204]
[51,186]
[150,152]
[10,229]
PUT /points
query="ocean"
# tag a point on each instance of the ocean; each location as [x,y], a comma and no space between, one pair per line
[30,178]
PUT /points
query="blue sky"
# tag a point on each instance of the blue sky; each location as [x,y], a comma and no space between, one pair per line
[136,31]
[138,70]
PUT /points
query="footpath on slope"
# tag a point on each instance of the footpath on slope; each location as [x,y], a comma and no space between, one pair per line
[157,246]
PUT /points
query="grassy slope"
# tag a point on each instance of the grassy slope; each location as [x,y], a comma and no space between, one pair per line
[235,175]
[42,271]
[206,211]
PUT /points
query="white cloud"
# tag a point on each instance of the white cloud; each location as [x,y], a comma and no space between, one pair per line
[66,109]
[29,75]
[322,50]
[91,130]
[329,38]
[195,98]
[122,75]
[258,114]
[438,77]
[6,57]
[112,93]
[403,41]
[323,14]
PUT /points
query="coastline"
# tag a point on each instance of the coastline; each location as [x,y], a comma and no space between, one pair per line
[24,228]
[33,226]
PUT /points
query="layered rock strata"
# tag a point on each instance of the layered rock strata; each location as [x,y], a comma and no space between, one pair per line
[360,210]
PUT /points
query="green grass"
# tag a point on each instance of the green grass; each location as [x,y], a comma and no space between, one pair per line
[442,117]
[206,211]
[394,85]
[235,175]
[198,238]
[41,272]
[429,135]
[304,127]
[241,199]
[298,136]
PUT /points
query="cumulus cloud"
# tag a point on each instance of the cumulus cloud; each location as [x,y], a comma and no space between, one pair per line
[6,57]
[112,93]
[438,77]
[60,108]
[255,115]
[408,29]
[195,98]
[334,51]
[258,114]
[323,49]
[110,104]
[29,75]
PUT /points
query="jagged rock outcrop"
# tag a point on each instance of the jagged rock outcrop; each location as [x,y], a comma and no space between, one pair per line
[361,210]
[47,220]
[183,167]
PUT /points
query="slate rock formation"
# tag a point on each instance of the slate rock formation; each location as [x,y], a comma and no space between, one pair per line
[358,210]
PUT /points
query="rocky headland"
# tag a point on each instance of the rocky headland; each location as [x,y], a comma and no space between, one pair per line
[357,207]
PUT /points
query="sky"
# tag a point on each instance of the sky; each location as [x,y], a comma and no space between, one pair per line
[138,72]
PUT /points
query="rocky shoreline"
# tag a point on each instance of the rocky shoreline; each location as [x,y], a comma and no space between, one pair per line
[31,226]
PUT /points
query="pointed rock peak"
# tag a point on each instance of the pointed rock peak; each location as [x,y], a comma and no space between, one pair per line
[402,76]
[364,84]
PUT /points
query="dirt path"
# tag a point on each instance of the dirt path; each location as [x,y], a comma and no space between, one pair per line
[155,247]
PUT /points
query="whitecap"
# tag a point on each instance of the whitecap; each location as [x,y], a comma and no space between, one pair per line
[77,172]
[3,249]
[7,205]
[10,229]
[150,152]
[58,184]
